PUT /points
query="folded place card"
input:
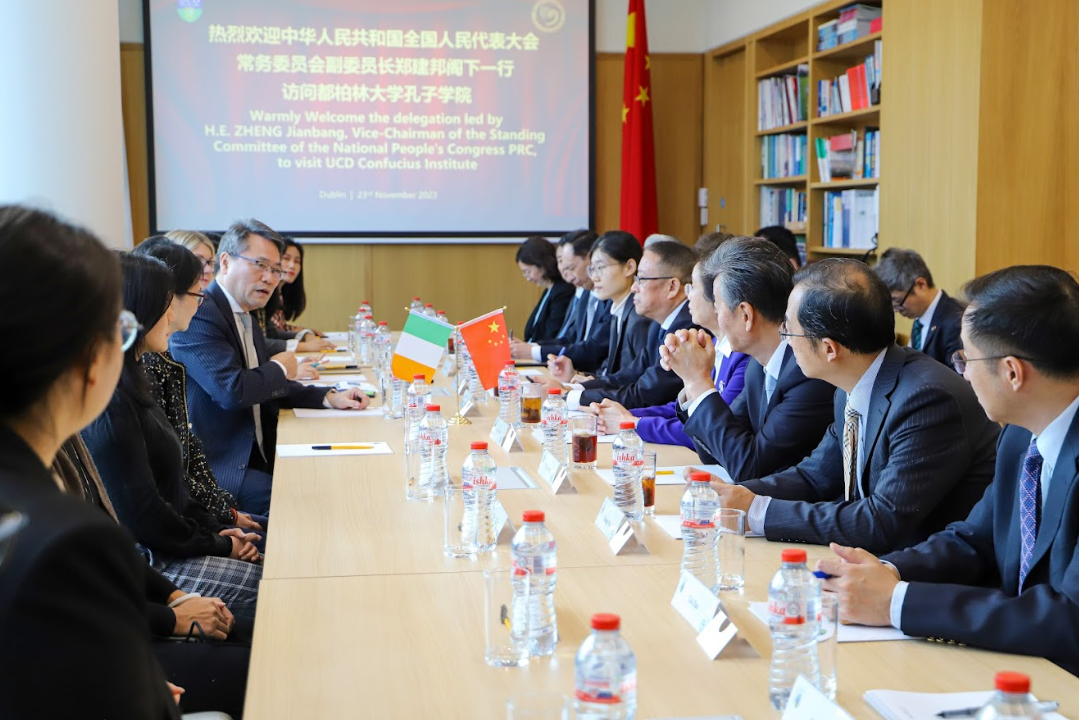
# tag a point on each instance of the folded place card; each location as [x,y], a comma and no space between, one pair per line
[807,702]
[555,474]
[504,529]
[694,601]
[333,449]
[505,436]
[468,403]
[449,366]
[619,531]
[716,635]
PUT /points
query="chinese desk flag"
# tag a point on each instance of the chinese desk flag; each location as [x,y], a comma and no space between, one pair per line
[489,346]
[420,347]
[638,144]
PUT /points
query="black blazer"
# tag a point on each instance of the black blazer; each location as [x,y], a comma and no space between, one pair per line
[626,350]
[754,436]
[71,601]
[942,337]
[645,382]
[964,581]
[587,350]
[930,452]
[546,321]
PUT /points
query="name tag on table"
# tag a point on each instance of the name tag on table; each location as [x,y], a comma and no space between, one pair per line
[807,702]
[694,602]
[619,531]
[505,436]
[504,529]
[555,474]
[449,366]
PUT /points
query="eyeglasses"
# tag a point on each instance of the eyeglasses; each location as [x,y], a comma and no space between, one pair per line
[783,333]
[638,279]
[897,305]
[200,296]
[263,266]
[595,270]
[960,360]
[129,329]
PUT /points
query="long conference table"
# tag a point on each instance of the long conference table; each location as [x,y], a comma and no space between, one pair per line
[361,616]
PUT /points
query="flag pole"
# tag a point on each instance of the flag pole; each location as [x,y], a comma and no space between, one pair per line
[457,419]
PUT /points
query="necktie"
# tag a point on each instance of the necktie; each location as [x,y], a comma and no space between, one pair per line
[568,322]
[916,335]
[1030,496]
[592,302]
[850,450]
[769,386]
[252,362]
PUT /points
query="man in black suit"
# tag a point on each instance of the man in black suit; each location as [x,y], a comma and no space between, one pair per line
[937,317]
[910,449]
[1007,577]
[781,415]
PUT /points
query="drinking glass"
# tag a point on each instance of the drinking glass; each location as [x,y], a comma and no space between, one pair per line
[583,441]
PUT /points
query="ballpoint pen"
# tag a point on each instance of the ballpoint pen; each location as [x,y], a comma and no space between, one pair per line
[1044,707]
[342,447]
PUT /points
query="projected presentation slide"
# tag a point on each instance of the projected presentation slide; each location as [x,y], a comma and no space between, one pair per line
[376,118]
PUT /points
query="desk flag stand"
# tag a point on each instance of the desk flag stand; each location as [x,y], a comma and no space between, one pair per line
[458,418]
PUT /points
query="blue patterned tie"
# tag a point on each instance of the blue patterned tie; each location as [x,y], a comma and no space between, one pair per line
[916,335]
[1030,495]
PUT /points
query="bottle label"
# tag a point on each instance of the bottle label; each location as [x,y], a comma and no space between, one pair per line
[486,482]
[554,417]
[789,613]
[627,458]
[689,523]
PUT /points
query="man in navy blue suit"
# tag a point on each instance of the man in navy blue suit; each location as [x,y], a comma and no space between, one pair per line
[235,387]
[1007,577]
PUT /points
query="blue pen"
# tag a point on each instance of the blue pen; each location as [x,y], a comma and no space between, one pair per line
[562,351]
[823,575]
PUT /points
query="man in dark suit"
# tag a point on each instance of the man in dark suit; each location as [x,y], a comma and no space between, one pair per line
[936,316]
[1007,577]
[910,449]
[659,294]
[235,388]
[781,415]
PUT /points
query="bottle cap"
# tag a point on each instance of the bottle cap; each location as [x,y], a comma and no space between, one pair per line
[365,302]
[417,297]
[627,425]
[369,317]
[700,476]
[606,621]
[533,516]
[441,312]
[793,555]
[381,322]
[428,305]
[554,391]
[433,408]
[420,377]
[479,445]
[1013,682]
[510,363]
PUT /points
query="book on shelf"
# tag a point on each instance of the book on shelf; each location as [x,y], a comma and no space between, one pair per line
[849,156]
[855,89]
[851,218]
[783,156]
[783,100]
[782,206]
[854,21]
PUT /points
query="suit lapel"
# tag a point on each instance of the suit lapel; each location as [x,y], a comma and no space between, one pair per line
[879,404]
[218,296]
[1060,486]
[786,371]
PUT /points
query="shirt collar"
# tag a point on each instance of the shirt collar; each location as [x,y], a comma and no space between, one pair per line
[723,347]
[1051,441]
[670,318]
[616,310]
[579,292]
[775,363]
[863,391]
[232,301]
[927,316]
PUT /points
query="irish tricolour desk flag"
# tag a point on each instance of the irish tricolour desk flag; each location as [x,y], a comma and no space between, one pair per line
[420,347]
[489,346]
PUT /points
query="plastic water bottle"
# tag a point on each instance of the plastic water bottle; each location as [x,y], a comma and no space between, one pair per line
[480,488]
[700,557]
[429,310]
[534,548]
[509,395]
[383,348]
[417,398]
[355,333]
[366,332]
[554,424]
[1012,699]
[365,308]
[627,455]
[606,673]
[416,304]
[793,606]
[434,437]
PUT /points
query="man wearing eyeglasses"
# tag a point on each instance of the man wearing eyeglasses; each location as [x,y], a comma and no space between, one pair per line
[910,449]
[1007,577]
[937,317]
[236,387]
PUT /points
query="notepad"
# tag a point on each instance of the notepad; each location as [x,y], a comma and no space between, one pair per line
[335,413]
[671,474]
[900,705]
[847,633]
[672,525]
[351,378]
[377,448]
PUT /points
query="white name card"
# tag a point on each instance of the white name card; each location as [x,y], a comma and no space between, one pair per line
[695,602]
[504,530]
[468,403]
[555,474]
[449,366]
[716,635]
[807,702]
[505,436]
[619,531]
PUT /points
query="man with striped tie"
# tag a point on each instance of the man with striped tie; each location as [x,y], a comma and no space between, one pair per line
[1007,577]
[910,449]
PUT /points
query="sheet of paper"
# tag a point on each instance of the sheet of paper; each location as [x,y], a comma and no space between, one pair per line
[847,633]
[377,448]
[514,478]
[351,378]
[672,525]
[324,413]
[670,474]
[338,337]
[531,372]
[901,705]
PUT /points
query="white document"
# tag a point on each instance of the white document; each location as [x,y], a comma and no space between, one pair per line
[671,474]
[847,633]
[672,525]
[334,413]
[899,705]
[376,448]
[351,379]
[337,337]
[531,372]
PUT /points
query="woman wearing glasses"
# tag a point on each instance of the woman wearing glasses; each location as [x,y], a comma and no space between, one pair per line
[141,462]
[202,247]
[168,384]
[72,585]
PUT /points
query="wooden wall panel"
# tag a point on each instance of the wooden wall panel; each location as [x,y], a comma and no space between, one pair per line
[929,133]
[1028,172]
[133,96]
[726,98]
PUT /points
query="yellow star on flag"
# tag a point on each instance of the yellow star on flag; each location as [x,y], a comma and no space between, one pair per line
[647,62]
[625,113]
[493,326]
[643,95]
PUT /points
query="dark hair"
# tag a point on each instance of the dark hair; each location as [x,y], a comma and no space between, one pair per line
[291,296]
[148,292]
[60,299]
[234,241]
[783,239]
[618,245]
[750,270]
[185,265]
[676,258]
[539,252]
[844,300]
[899,269]
[1027,310]
[581,240]
[706,244]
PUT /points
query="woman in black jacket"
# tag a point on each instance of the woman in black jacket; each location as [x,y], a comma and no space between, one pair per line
[141,462]
[539,264]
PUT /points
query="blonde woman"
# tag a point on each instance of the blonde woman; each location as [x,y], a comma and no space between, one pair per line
[203,248]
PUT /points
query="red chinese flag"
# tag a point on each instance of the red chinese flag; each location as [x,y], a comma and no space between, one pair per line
[638,144]
[489,346]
